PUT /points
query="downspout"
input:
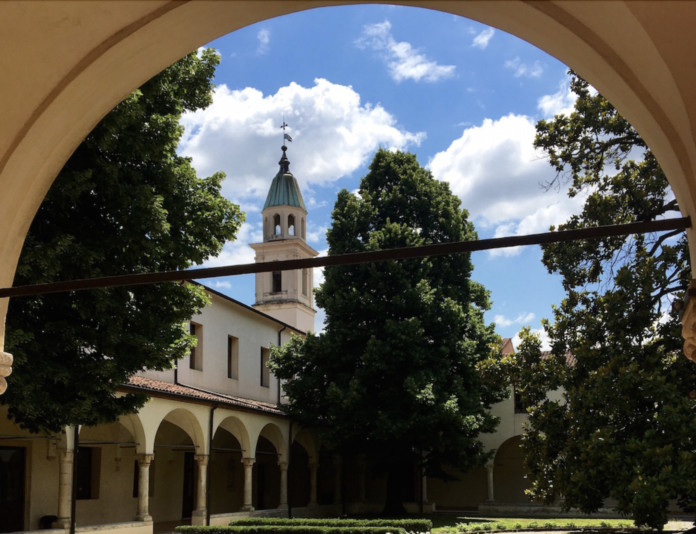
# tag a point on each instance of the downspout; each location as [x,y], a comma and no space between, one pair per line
[288,477]
[210,461]
[279,343]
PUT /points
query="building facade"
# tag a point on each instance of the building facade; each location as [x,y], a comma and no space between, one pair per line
[212,444]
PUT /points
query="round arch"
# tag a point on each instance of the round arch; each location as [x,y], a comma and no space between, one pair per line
[67,80]
[275,435]
[509,473]
[236,427]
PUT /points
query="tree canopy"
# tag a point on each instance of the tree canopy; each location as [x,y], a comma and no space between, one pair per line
[393,375]
[625,427]
[125,202]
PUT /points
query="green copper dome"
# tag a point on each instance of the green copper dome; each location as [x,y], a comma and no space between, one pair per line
[284,190]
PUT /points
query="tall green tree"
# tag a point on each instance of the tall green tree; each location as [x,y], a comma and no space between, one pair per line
[124,203]
[625,427]
[393,376]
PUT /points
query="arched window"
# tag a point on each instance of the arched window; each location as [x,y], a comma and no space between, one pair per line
[303,229]
[276,224]
[291,225]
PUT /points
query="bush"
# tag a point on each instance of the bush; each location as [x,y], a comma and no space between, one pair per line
[549,524]
[286,529]
[410,525]
[500,526]
[533,524]
[518,526]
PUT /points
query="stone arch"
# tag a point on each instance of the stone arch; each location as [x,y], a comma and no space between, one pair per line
[189,423]
[275,435]
[631,52]
[509,473]
[291,225]
[277,227]
[238,429]
[309,443]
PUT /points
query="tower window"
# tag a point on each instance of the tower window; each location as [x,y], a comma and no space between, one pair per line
[277,282]
[276,224]
[291,225]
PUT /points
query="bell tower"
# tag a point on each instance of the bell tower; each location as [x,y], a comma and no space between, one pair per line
[285,295]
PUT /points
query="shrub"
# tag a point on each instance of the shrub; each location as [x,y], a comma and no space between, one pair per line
[410,525]
[487,527]
[533,524]
[500,526]
[518,526]
[549,524]
[285,529]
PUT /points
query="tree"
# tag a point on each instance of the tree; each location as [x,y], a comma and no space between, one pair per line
[393,375]
[124,203]
[625,427]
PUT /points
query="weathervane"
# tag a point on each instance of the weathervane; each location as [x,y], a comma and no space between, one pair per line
[285,135]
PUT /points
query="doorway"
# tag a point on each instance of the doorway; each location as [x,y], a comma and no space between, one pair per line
[12,473]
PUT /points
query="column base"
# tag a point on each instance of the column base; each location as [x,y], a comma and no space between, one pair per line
[61,522]
[246,508]
[198,517]
[283,507]
[489,502]
[144,517]
[313,505]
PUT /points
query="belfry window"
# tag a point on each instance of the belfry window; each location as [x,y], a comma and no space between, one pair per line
[276,224]
[277,282]
[291,225]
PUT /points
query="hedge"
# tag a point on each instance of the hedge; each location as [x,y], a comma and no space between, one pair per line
[287,529]
[410,525]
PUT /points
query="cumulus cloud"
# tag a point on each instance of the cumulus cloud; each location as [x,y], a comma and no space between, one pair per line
[333,135]
[559,103]
[498,175]
[264,37]
[522,69]
[222,284]
[404,62]
[545,341]
[502,321]
[481,40]
[239,252]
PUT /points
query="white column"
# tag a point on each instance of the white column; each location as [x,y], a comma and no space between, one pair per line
[338,472]
[283,485]
[199,514]
[144,461]
[248,472]
[313,468]
[65,475]
[491,494]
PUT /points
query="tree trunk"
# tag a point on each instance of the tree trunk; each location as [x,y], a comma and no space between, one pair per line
[394,506]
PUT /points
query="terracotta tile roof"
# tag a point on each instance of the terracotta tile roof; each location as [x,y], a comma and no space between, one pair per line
[569,357]
[180,390]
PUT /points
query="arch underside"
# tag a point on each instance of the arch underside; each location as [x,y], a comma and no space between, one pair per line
[80,59]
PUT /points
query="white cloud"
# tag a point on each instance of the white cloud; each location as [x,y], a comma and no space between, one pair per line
[497,173]
[502,321]
[239,252]
[559,103]
[222,285]
[316,234]
[404,62]
[545,341]
[333,133]
[522,69]
[264,37]
[481,40]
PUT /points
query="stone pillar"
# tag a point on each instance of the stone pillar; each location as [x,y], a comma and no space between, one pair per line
[313,468]
[338,482]
[5,369]
[491,494]
[362,467]
[283,485]
[248,474]
[65,475]
[144,461]
[199,513]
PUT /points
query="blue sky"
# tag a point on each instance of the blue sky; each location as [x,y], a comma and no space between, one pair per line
[462,96]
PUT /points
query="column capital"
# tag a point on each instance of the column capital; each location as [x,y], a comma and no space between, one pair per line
[202,459]
[5,369]
[248,462]
[283,465]
[144,460]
